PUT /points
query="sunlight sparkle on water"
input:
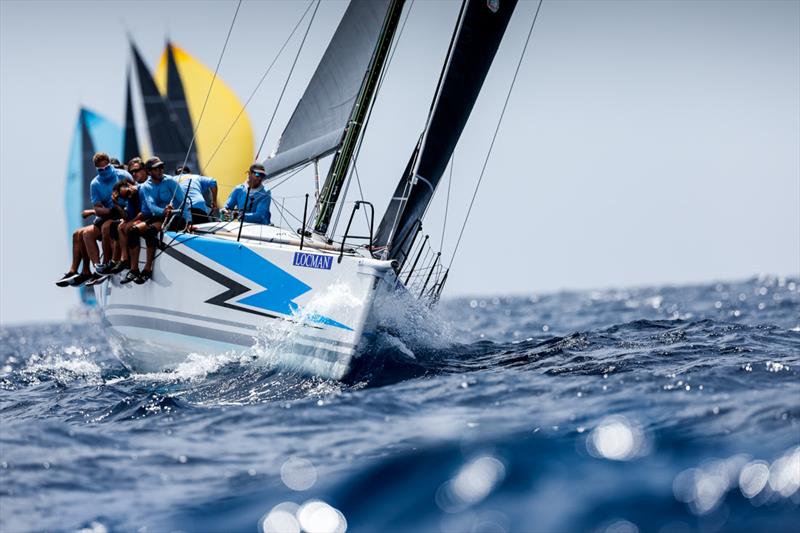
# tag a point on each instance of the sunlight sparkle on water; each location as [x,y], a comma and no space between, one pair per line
[616,438]
[703,489]
[753,478]
[784,474]
[316,516]
[281,519]
[474,482]
[298,473]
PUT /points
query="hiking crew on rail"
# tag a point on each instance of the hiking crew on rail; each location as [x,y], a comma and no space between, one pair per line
[135,204]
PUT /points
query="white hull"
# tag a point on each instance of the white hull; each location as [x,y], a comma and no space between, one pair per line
[210,294]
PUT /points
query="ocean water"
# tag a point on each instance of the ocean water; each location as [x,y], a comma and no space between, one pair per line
[667,409]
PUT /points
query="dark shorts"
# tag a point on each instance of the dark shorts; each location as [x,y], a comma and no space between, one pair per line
[115,229]
[199,216]
[99,221]
[177,224]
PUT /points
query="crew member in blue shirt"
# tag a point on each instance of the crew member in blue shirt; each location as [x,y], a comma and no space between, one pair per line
[253,207]
[197,189]
[84,240]
[160,195]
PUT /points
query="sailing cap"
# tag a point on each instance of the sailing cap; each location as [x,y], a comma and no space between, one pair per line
[257,166]
[153,162]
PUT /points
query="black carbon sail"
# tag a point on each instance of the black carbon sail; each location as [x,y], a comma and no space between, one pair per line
[176,98]
[130,144]
[166,138]
[477,36]
[317,125]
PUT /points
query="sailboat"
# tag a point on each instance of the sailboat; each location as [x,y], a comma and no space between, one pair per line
[173,99]
[314,298]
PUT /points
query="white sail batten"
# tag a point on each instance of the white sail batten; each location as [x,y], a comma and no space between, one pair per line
[316,128]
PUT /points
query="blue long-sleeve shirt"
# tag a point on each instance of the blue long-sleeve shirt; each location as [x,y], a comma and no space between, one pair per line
[258,206]
[102,186]
[156,196]
[200,185]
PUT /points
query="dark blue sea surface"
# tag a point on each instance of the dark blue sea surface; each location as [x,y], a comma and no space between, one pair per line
[666,409]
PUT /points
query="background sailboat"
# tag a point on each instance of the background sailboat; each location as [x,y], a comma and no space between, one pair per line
[184,81]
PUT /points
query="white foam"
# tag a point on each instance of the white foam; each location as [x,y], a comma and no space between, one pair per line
[195,367]
[416,323]
[273,343]
[76,366]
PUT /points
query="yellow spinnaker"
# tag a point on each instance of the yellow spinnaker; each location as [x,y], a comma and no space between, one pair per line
[236,153]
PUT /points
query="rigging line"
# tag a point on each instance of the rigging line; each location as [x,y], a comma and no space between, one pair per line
[361,192]
[211,85]
[286,211]
[447,202]
[203,109]
[395,44]
[258,85]
[286,178]
[494,136]
[280,98]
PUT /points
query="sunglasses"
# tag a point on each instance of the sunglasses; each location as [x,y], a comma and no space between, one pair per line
[101,169]
[261,175]
[133,170]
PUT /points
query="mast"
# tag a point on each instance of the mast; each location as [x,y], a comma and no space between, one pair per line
[341,161]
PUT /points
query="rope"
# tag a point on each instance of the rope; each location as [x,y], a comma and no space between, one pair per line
[494,137]
[447,202]
[211,86]
[286,178]
[258,85]
[360,191]
[200,118]
[283,91]
[285,211]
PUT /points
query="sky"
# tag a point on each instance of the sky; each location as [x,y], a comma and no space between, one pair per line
[645,142]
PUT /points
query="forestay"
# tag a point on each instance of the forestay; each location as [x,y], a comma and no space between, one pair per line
[477,37]
[317,125]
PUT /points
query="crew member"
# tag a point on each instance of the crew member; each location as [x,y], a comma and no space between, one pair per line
[131,230]
[160,195]
[137,170]
[105,211]
[84,240]
[251,198]
[197,188]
